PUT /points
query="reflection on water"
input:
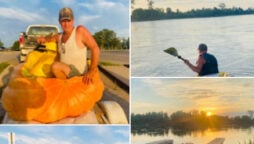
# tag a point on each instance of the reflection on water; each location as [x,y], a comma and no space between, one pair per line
[232,135]
[230,39]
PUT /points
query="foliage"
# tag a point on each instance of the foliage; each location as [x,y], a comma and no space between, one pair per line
[1,44]
[150,4]
[132,3]
[151,119]
[15,46]
[107,39]
[3,65]
[125,43]
[183,122]
[159,14]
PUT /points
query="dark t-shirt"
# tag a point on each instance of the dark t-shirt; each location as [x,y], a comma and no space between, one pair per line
[210,66]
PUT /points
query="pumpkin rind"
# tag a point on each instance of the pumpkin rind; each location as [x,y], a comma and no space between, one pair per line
[49,99]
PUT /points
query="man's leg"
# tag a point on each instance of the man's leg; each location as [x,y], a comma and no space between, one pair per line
[60,70]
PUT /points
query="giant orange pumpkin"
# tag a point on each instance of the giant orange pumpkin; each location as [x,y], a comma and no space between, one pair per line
[49,99]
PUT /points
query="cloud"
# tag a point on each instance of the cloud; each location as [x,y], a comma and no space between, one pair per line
[224,95]
[3,135]
[96,15]
[62,3]
[101,5]
[106,134]
[101,131]
[100,14]
[19,14]
[202,97]
[144,107]
[86,5]
[87,18]
[124,133]
[122,143]
[153,82]
[22,139]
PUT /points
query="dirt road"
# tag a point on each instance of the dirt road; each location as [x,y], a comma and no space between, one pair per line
[121,56]
[9,56]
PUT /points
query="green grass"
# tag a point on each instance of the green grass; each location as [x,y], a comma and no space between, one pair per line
[109,64]
[3,65]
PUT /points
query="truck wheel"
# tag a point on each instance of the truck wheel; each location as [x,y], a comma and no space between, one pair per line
[113,112]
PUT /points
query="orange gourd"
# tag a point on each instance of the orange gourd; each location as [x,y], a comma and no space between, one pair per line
[49,99]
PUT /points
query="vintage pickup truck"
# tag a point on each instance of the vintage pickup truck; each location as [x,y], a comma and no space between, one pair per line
[28,39]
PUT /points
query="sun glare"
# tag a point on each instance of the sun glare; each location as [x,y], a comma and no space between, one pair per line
[208,114]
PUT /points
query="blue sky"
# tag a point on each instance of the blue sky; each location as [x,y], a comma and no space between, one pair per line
[66,134]
[223,96]
[16,15]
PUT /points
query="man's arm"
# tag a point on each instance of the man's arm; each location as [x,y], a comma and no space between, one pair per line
[198,67]
[89,41]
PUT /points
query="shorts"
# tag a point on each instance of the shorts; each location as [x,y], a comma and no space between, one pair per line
[73,71]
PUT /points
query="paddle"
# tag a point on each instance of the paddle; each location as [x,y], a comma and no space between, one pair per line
[172,51]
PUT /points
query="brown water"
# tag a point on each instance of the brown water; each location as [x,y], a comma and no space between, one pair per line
[230,39]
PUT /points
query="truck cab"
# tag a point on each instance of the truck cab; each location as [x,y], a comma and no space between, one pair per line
[28,39]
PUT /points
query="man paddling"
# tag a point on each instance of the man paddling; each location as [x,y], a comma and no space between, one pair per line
[206,63]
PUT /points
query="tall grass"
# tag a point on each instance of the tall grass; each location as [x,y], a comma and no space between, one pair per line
[109,64]
[3,65]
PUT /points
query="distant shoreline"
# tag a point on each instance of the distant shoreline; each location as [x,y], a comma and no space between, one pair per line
[139,15]
[190,18]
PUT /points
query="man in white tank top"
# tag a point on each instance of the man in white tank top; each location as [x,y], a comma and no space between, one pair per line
[72,43]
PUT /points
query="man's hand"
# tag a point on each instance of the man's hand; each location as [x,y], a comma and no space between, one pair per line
[187,62]
[41,39]
[88,77]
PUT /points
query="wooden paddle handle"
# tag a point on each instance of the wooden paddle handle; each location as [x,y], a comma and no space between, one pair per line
[181,58]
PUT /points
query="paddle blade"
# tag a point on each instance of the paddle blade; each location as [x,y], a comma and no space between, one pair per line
[171,51]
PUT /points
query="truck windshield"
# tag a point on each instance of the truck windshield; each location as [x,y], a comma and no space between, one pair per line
[42,31]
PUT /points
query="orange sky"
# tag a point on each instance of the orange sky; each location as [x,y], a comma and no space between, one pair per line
[221,96]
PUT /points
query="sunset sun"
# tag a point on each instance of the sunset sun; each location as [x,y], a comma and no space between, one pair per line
[208,114]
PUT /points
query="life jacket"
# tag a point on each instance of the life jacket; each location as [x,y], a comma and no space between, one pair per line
[210,66]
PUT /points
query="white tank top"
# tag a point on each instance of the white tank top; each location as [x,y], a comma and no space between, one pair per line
[71,54]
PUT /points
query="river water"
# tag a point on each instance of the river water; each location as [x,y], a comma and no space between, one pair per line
[230,39]
[232,136]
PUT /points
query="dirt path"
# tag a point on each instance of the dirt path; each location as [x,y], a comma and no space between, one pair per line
[9,56]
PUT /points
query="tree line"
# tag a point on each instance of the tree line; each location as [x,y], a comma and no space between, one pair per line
[181,122]
[160,14]
[106,40]
[1,43]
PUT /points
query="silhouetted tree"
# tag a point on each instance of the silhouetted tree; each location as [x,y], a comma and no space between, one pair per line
[132,3]
[150,4]
[251,113]
[1,43]
[106,39]
[222,5]
[158,14]
[15,46]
